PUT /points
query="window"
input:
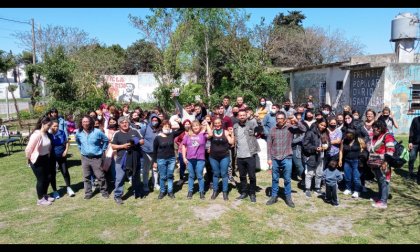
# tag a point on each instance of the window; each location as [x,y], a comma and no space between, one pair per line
[339,85]
[414,99]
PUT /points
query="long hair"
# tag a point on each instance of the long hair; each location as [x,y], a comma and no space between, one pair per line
[195,122]
[91,123]
[41,121]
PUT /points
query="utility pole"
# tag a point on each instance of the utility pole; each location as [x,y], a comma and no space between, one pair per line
[33,43]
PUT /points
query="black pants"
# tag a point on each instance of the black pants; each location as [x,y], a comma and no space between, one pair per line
[247,167]
[62,165]
[41,169]
[331,194]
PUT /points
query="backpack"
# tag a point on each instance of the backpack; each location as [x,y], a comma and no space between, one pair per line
[400,156]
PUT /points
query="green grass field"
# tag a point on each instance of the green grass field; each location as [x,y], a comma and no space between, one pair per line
[149,220]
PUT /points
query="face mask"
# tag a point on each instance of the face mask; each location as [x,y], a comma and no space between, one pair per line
[166,131]
[333,126]
[309,118]
[99,117]
[355,117]
[325,112]
[112,126]
[386,116]
[96,127]
[154,124]
[262,103]
[187,128]
[286,106]
[273,111]
[319,119]
[235,113]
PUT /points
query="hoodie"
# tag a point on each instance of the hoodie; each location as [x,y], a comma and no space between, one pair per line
[149,134]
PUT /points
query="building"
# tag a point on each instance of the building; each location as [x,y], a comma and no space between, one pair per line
[371,81]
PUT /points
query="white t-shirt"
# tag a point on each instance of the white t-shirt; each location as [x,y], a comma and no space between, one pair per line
[45,145]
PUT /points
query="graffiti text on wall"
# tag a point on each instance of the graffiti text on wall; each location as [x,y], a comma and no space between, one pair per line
[365,89]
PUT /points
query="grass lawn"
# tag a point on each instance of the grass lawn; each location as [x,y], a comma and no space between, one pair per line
[148,220]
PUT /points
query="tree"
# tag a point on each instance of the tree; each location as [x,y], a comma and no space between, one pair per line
[7,62]
[291,45]
[141,56]
[32,71]
[58,70]
[206,26]
[159,29]
[51,37]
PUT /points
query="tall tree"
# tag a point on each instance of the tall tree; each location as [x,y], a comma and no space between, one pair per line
[159,29]
[141,56]
[8,62]
[51,37]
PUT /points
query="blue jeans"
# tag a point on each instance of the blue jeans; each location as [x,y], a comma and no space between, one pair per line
[285,166]
[195,168]
[382,184]
[166,169]
[351,174]
[220,168]
[120,179]
[298,162]
[182,166]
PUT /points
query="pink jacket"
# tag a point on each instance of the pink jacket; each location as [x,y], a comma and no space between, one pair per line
[32,148]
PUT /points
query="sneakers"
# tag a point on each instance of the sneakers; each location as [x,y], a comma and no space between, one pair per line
[55,195]
[271,201]
[171,195]
[189,195]
[308,193]
[161,195]
[157,187]
[43,202]
[48,198]
[335,205]
[253,198]
[355,195]
[70,191]
[242,196]
[105,195]
[214,195]
[347,192]
[119,201]
[88,196]
[225,196]
[318,191]
[374,199]
[379,204]
[289,202]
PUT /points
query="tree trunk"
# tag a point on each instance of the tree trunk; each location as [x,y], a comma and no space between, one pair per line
[208,77]
[16,106]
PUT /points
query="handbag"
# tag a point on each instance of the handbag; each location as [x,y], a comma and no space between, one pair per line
[375,160]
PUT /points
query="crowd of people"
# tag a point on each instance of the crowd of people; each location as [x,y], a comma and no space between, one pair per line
[319,148]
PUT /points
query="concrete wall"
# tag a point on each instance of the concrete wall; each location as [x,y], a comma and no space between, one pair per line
[398,80]
[307,82]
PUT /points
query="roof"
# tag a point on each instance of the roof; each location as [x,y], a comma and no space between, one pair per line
[340,63]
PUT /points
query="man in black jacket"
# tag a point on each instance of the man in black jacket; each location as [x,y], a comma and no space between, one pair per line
[413,146]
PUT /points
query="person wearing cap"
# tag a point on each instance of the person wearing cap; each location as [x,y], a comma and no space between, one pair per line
[127,142]
[92,144]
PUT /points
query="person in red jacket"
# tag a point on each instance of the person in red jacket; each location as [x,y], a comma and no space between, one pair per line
[382,143]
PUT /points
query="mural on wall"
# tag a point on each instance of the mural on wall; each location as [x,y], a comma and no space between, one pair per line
[401,78]
[123,88]
[366,89]
[306,84]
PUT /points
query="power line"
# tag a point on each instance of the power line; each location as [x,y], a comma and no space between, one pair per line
[16,21]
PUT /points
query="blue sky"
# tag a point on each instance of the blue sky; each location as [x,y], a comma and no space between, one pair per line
[371,26]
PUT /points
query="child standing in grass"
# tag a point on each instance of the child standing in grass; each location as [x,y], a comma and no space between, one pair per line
[331,177]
